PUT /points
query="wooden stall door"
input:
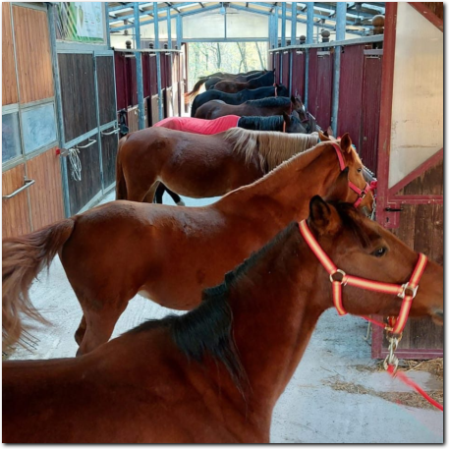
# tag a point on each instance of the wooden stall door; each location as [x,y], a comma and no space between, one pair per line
[120,79]
[298,73]
[350,110]
[371,95]
[80,117]
[9,79]
[16,218]
[320,86]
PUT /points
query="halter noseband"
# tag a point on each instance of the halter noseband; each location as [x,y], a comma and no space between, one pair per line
[406,292]
[361,193]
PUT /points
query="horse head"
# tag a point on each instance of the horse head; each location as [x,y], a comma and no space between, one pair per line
[364,176]
[293,125]
[361,194]
[365,252]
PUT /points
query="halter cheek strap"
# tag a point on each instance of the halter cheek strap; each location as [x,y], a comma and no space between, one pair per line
[361,193]
[406,292]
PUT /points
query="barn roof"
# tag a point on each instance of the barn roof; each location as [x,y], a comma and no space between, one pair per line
[121,14]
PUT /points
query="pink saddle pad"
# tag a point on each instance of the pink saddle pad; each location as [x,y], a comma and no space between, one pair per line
[199,125]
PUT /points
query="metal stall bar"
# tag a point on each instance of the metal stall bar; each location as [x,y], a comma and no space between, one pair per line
[283,25]
[309,40]
[178,31]
[169,46]
[293,20]
[292,42]
[139,70]
[340,36]
[108,28]
[158,62]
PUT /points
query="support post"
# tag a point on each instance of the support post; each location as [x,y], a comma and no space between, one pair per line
[108,27]
[283,25]
[309,40]
[169,46]
[340,36]
[294,16]
[139,70]
[158,62]
[179,31]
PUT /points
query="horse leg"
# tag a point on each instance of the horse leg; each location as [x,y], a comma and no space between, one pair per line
[99,326]
[159,193]
[141,193]
[149,196]
[79,334]
[176,198]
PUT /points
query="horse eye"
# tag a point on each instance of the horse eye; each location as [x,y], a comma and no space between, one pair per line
[359,170]
[379,252]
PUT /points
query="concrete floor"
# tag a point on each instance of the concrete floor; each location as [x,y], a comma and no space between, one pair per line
[312,409]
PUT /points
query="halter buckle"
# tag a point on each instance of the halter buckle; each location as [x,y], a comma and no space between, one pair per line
[343,276]
[406,287]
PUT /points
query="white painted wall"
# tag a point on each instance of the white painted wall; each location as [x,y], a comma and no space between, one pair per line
[418,88]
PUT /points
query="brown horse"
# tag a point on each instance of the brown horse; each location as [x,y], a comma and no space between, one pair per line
[169,254]
[215,374]
[231,87]
[200,166]
[265,107]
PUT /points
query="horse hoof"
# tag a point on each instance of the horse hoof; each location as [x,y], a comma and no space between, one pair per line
[180,203]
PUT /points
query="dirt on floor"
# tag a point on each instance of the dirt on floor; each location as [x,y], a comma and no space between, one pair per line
[412,399]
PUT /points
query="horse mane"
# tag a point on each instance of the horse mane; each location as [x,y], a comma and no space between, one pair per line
[274,147]
[269,102]
[208,329]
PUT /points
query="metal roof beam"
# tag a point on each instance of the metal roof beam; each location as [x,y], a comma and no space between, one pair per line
[249,9]
[200,10]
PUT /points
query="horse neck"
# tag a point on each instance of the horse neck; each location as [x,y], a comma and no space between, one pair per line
[275,308]
[288,189]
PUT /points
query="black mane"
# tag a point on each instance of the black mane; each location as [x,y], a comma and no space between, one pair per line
[269,102]
[271,123]
[207,330]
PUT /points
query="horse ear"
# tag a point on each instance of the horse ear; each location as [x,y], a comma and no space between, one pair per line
[339,190]
[323,137]
[286,118]
[345,143]
[329,131]
[322,216]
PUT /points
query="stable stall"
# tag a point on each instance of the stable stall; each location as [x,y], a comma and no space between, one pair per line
[386,90]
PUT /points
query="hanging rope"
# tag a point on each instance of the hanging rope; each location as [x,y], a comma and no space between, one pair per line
[75,163]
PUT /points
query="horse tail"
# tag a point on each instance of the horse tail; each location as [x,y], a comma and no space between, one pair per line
[23,259]
[121,193]
[188,95]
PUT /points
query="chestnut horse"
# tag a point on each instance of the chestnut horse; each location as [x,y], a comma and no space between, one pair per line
[231,86]
[200,166]
[264,107]
[114,251]
[215,374]
[239,97]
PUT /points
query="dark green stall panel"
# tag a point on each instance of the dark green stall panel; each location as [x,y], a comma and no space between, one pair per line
[109,145]
[106,88]
[81,192]
[78,94]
